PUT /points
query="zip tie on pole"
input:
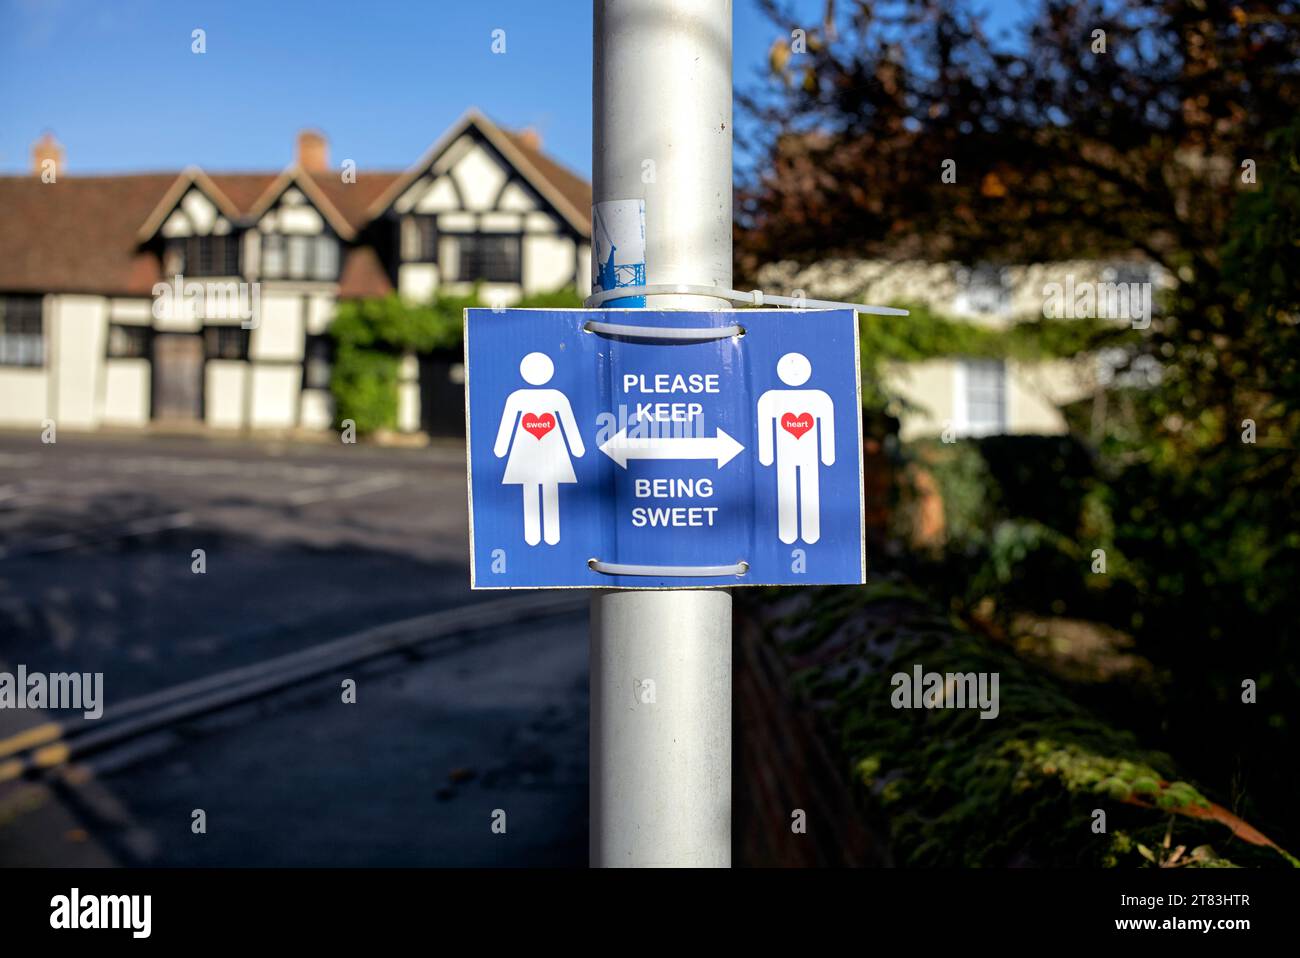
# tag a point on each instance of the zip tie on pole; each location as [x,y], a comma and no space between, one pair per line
[701,571]
[753,298]
[698,333]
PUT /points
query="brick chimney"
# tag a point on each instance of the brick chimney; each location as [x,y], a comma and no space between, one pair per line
[530,137]
[47,148]
[313,151]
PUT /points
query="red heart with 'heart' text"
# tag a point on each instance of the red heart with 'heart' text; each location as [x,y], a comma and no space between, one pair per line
[796,425]
[538,426]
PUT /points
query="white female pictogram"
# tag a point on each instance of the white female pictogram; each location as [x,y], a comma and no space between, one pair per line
[534,427]
[803,421]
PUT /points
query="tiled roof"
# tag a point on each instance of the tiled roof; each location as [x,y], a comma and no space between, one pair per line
[242,189]
[353,199]
[81,234]
[77,235]
[363,275]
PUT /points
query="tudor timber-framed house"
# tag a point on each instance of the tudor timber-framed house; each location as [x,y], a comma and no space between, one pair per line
[96,330]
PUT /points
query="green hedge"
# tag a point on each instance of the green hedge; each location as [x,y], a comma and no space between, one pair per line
[371,335]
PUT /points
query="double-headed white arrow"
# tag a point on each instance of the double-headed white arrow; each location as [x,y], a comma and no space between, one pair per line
[620,447]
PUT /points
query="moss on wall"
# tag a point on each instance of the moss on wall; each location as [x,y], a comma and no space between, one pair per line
[958,790]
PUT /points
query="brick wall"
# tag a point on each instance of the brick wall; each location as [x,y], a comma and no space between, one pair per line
[784,761]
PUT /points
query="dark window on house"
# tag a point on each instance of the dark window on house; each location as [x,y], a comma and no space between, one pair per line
[1127,272]
[22,333]
[420,240]
[226,342]
[128,342]
[488,257]
[173,258]
[300,257]
[203,255]
[318,362]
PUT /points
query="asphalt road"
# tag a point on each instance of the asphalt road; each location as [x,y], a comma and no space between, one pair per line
[302,543]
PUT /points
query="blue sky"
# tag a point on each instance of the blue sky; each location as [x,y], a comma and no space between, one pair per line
[117,83]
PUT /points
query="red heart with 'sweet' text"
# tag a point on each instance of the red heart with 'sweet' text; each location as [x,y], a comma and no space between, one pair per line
[538,426]
[796,425]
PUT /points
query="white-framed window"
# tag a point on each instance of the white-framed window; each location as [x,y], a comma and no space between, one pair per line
[273,255]
[202,255]
[129,342]
[295,256]
[226,342]
[490,257]
[983,291]
[420,239]
[299,253]
[317,362]
[980,397]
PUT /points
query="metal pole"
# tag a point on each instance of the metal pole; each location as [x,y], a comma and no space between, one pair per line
[661,661]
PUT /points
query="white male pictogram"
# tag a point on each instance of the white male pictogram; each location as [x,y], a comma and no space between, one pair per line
[802,423]
[534,427]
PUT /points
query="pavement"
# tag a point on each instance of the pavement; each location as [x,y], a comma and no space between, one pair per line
[301,543]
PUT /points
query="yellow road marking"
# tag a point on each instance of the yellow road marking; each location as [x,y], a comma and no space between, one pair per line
[37,735]
[51,755]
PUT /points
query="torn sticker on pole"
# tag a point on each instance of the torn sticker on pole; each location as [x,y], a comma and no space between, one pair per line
[618,249]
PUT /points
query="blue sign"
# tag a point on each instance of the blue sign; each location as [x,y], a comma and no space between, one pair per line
[645,449]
